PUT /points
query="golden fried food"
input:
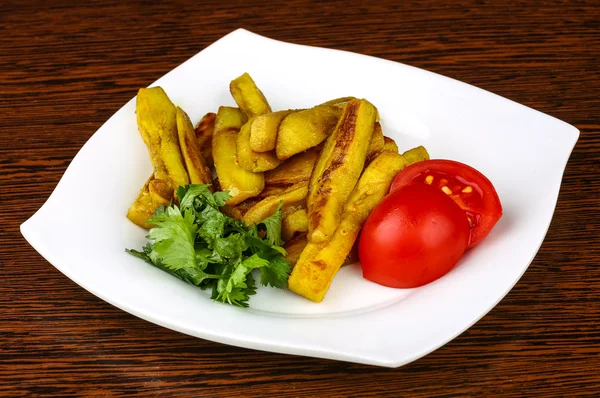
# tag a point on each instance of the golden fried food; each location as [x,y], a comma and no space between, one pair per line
[416,154]
[250,160]
[157,124]
[248,97]
[307,128]
[161,191]
[294,224]
[204,131]
[294,248]
[273,190]
[293,198]
[156,117]
[338,168]
[263,133]
[296,169]
[197,170]
[241,183]
[143,207]
[237,211]
[389,145]
[376,145]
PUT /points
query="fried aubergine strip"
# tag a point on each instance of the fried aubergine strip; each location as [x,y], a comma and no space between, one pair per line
[338,101]
[263,133]
[143,207]
[319,262]
[198,171]
[294,224]
[253,104]
[293,199]
[160,191]
[274,190]
[249,98]
[376,144]
[416,154]
[338,168]
[204,131]
[390,145]
[156,117]
[296,169]
[294,248]
[247,158]
[237,211]
[307,128]
[241,183]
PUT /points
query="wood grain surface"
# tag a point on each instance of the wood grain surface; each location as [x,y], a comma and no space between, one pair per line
[66,68]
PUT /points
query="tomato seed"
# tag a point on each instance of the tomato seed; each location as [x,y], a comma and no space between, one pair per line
[446,190]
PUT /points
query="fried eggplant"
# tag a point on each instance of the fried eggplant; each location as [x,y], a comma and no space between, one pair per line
[307,128]
[338,168]
[416,154]
[196,168]
[296,169]
[241,183]
[204,131]
[390,145]
[294,224]
[250,160]
[248,97]
[156,117]
[263,132]
[293,199]
[377,143]
[294,249]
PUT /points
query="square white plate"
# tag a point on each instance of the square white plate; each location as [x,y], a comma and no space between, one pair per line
[82,229]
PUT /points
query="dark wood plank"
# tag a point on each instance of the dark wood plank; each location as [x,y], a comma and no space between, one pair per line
[66,67]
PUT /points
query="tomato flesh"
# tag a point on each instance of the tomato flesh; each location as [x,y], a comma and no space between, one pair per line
[470,189]
[413,237]
[466,194]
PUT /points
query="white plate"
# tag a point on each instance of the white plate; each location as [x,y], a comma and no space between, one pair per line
[82,229]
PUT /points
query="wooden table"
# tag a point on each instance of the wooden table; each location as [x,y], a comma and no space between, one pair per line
[66,68]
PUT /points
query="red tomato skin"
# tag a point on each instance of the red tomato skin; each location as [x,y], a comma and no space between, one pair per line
[413,237]
[487,215]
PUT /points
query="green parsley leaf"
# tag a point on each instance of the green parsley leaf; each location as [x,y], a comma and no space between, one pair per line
[200,245]
[221,197]
[139,254]
[276,273]
[273,226]
[195,276]
[231,247]
[187,195]
[213,225]
[234,289]
[173,238]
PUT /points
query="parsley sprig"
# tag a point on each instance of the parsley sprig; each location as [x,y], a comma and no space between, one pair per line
[199,244]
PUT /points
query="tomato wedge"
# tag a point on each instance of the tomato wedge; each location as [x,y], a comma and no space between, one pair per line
[469,188]
[414,236]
